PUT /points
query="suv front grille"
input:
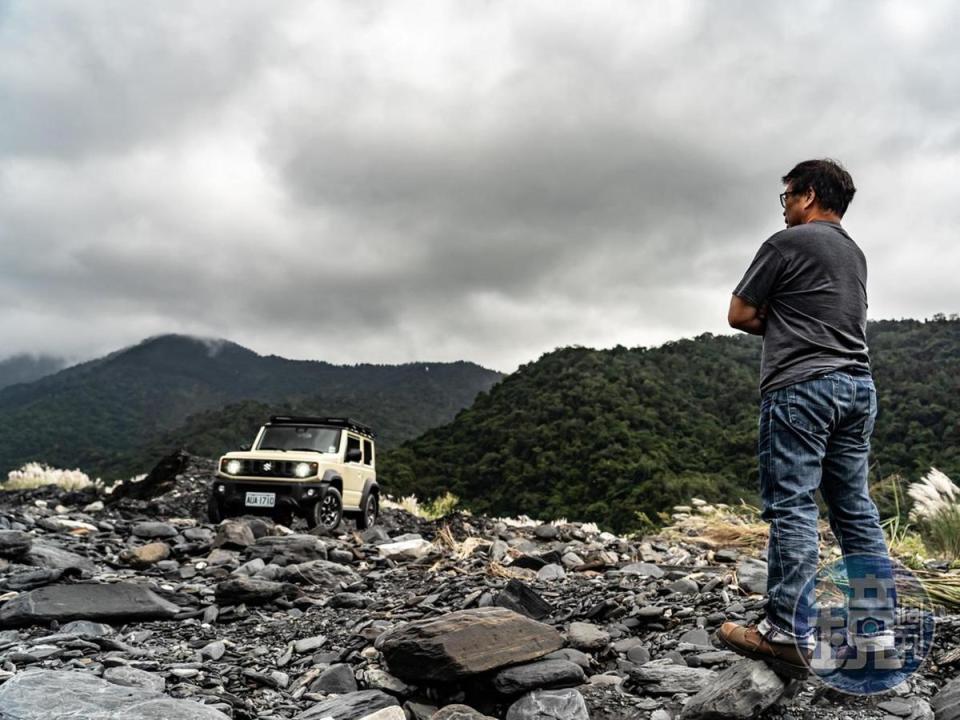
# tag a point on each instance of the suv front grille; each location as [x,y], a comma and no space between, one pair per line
[267,468]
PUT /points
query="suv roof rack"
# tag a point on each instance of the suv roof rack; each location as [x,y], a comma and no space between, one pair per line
[338,422]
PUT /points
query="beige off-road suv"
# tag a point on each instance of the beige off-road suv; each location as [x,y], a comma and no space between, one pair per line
[318,468]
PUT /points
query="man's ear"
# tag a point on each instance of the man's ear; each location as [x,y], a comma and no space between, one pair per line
[809,198]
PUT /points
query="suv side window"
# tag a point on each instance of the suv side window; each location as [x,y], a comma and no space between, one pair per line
[367,452]
[353,443]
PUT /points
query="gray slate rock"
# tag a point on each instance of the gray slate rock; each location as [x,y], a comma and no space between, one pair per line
[151,530]
[459,712]
[38,577]
[752,575]
[549,705]
[577,657]
[214,650]
[85,628]
[696,636]
[323,573]
[611,702]
[118,602]
[946,703]
[14,543]
[375,535]
[350,706]
[541,674]
[642,569]
[464,643]
[64,695]
[134,677]
[742,691]
[348,600]
[251,591]
[551,572]
[291,549]
[520,598]
[54,558]
[683,586]
[587,637]
[659,678]
[234,535]
[337,679]
[546,532]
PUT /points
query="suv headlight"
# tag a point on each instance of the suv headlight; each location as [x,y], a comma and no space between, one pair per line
[304,469]
[232,467]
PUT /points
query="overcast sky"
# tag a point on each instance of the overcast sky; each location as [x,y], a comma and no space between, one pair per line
[392,181]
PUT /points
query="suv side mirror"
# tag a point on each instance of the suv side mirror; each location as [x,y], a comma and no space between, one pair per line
[354,455]
[245,447]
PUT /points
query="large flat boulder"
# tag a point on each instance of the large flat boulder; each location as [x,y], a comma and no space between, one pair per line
[64,695]
[114,603]
[464,643]
[742,691]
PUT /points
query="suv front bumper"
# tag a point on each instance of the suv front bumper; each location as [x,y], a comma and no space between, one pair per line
[231,495]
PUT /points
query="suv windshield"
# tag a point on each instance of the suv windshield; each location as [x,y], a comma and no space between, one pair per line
[292,437]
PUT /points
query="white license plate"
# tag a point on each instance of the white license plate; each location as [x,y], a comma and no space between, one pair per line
[261,499]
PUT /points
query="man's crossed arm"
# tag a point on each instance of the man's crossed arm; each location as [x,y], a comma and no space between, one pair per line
[746,317]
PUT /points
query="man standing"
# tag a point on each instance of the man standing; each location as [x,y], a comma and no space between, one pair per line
[805,293]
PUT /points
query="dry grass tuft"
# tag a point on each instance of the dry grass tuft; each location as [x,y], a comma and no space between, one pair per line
[445,540]
[502,571]
[34,475]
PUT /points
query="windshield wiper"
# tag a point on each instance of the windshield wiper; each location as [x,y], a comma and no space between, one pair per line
[305,450]
[272,448]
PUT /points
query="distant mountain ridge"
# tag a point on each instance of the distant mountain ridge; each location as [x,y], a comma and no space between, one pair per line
[98,414]
[601,435]
[26,367]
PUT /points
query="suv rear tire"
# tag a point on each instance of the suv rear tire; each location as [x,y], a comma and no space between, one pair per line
[327,512]
[369,512]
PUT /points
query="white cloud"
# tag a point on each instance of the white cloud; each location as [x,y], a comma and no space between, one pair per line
[372,181]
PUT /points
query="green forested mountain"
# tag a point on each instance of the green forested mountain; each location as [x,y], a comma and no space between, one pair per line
[603,434]
[103,415]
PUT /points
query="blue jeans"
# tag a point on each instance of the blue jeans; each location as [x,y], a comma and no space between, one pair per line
[816,434]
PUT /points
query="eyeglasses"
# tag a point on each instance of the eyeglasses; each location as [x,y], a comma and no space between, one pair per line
[783,196]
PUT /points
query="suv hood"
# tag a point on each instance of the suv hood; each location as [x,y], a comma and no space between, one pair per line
[298,456]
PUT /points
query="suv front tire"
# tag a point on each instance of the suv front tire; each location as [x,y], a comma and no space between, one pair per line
[327,512]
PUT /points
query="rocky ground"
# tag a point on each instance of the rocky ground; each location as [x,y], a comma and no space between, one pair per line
[135,607]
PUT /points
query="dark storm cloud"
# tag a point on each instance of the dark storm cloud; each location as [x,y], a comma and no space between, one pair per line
[424,180]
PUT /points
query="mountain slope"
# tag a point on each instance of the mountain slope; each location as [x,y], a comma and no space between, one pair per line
[93,415]
[601,435]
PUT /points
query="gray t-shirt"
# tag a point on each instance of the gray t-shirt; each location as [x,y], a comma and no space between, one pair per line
[814,278]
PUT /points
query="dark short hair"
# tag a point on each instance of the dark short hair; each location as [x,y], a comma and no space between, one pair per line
[828,179]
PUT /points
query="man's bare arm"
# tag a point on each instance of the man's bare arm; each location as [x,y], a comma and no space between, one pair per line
[746,317]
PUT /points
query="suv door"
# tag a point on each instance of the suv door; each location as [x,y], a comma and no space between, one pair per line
[353,474]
